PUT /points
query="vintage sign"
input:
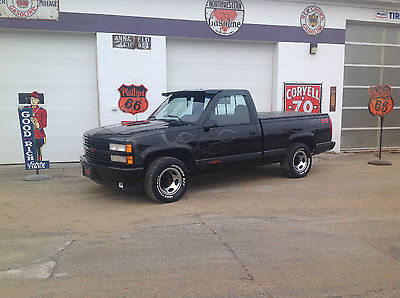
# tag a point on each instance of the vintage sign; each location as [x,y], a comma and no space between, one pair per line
[380,100]
[388,15]
[303,97]
[131,42]
[29,142]
[24,98]
[224,17]
[312,20]
[30,9]
[133,99]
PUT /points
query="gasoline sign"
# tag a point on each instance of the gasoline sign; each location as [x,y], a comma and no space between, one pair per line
[303,97]
[224,17]
[133,99]
[380,100]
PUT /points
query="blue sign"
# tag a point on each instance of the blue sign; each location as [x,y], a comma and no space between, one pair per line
[28,141]
[388,15]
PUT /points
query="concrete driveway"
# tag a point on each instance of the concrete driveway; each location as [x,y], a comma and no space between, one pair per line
[243,233]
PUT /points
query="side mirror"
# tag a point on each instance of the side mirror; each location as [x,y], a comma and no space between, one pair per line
[210,124]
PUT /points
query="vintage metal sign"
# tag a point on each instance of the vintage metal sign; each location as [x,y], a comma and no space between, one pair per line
[133,99]
[28,140]
[224,17]
[312,20]
[388,15]
[131,42]
[303,97]
[380,100]
[30,9]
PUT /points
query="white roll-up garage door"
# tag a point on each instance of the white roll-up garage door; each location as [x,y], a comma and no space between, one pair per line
[217,64]
[63,67]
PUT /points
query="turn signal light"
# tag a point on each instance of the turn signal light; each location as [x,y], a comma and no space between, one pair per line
[129,148]
[129,160]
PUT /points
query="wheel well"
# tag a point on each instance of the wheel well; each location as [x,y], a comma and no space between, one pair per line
[306,141]
[181,154]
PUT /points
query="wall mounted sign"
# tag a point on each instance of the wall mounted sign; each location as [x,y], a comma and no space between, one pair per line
[30,9]
[312,20]
[224,17]
[131,42]
[33,120]
[303,97]
[133,99]
[380,100]
[388,15]
[332,104]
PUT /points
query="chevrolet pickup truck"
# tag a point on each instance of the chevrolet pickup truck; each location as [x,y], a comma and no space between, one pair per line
[193,131]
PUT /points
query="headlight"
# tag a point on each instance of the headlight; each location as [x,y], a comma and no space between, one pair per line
[122,159]
[118,147]
[118,158]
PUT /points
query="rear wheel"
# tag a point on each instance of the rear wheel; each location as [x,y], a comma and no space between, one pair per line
[165,180]
[297,162]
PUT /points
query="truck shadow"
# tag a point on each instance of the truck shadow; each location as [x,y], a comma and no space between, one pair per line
[234,176]
[200,182]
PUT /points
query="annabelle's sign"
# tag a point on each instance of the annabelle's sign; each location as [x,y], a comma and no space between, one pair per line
[131,42]
[30,9]
[303,97]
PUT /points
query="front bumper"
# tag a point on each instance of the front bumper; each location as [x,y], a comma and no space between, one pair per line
[121,178]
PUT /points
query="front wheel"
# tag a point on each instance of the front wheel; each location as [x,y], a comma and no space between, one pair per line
[165,180]
[297,162]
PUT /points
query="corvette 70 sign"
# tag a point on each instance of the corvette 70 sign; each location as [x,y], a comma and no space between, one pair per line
[303,97]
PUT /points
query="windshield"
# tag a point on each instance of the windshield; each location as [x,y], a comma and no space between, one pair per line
[184,108]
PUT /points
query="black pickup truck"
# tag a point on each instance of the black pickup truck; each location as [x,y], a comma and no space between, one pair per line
[196,130]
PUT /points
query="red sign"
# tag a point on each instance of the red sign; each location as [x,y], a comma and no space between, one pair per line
[133,99]
[380,100]
[303,97]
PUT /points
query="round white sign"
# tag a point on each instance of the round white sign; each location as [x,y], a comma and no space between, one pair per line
[224,17]
[312,20]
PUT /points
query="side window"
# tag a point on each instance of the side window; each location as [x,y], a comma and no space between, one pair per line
[231,110]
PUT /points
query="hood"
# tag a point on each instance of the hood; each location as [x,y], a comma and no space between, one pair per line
[134,130]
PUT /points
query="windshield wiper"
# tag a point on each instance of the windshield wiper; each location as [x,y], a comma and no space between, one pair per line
[174,116]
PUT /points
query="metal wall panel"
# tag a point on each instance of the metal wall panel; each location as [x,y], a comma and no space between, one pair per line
[372,57]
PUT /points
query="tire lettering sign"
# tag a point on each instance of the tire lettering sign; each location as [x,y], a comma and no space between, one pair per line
[380,100]
[30,9]
[133,99]
[302,97]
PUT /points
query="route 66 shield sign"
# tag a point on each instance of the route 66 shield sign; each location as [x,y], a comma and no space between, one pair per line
[133,99]
[380,100]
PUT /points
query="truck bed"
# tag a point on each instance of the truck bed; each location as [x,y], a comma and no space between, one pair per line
[278,115]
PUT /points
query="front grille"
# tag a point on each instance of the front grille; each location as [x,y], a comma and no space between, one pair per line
[96,151]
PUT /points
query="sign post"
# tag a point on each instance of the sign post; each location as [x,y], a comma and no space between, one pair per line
[380,104]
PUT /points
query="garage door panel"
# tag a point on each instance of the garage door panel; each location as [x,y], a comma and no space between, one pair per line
[63,67]
[216,64]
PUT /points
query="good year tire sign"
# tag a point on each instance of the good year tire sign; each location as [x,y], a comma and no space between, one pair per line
[303,97]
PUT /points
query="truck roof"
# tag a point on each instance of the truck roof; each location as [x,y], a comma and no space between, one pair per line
[206,91]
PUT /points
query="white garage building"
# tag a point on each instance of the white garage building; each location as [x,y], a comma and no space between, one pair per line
[78,53]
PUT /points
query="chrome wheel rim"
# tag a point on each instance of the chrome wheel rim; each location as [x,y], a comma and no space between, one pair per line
[169,181]
[300,161]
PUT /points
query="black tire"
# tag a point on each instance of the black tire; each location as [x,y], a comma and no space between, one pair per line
[165,180]
[297,162]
